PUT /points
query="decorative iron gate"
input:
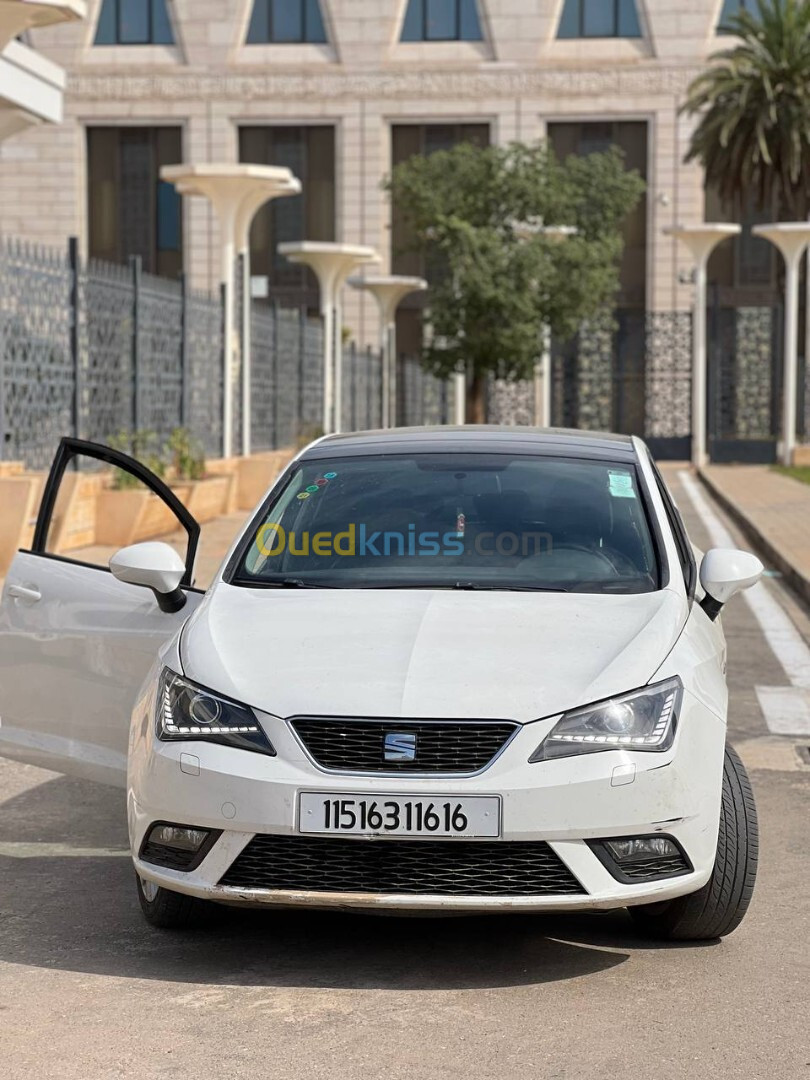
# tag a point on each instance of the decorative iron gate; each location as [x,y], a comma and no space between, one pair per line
[744,383]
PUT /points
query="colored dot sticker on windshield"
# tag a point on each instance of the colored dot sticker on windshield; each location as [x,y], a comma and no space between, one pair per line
[329,475]
[321,483]
[304,495]
[620,485]
[313,489]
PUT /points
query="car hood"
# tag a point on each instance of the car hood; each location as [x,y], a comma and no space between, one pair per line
[520,656]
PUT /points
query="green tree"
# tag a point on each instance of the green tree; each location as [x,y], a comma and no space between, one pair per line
[492,288]
[753,136]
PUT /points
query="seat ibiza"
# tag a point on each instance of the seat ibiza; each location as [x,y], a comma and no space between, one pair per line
[441,670]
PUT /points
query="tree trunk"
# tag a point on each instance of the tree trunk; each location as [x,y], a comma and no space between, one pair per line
[477,399]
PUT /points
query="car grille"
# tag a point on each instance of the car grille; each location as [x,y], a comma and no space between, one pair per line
[414,867]
[662,866]
[441,746]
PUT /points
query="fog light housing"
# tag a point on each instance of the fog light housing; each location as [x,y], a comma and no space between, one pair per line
[177,847]
[633,859]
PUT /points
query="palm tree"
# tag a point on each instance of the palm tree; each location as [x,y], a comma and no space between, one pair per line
[753,136]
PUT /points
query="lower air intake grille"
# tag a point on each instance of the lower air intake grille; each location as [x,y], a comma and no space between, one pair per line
[432,868]
[656,867]
[434,746]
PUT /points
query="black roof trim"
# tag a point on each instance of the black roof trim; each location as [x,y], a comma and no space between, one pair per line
[476,439]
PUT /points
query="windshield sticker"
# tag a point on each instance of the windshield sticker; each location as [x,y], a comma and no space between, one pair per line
[304,495]
[620,485]
[330,475]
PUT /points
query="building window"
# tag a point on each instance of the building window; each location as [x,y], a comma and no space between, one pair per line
[286,22]
[408,140]
[627,366]
[599,19]
[134,22]
[131,211]
[310,153]
[732,8]
[441,20]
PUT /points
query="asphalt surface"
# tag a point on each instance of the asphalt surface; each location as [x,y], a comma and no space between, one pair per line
[88,990]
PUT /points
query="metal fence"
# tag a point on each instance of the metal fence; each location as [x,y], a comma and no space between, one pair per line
[100,351]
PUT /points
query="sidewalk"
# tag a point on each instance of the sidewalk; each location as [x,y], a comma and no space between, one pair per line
[773,511]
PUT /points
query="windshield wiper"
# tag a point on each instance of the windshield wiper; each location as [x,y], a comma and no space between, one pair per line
[473,586]
[458,586]
[286,583]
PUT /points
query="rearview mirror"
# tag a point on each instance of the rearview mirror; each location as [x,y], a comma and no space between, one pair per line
[156,566]
[725,572]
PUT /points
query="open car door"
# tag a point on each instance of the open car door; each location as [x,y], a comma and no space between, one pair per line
[75,643]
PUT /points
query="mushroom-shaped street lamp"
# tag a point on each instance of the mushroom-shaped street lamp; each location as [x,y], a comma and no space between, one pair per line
[16,16]
[701,240]
[236,192]
[792,238]
[332,264]
[389,293]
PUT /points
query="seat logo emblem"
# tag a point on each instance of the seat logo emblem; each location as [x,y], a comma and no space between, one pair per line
[399,746]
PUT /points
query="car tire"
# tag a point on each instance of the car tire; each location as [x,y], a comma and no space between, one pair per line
[171,910]
[718,908]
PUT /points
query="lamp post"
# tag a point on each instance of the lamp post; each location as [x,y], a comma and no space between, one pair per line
[389,293]
[701,240]
[236,192]
[791,238]
[332,264]
[555,235]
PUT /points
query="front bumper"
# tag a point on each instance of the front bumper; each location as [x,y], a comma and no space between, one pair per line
[563,802]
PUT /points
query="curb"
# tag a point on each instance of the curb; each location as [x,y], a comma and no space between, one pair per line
[794,577]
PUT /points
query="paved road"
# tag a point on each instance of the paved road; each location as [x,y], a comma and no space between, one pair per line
[88,991]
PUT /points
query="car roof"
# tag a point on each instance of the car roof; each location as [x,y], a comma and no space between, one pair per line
[477,439]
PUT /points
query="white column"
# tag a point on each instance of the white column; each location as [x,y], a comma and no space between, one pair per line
[699,370]
[701,240]
[791,375]
[792,238]
[228,258]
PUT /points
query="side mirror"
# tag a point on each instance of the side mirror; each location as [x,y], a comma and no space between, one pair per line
[156,566]
[725,572]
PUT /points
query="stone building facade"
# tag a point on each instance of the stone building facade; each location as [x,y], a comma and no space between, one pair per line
[341,88]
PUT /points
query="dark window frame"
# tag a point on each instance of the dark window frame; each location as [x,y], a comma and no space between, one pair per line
[616,35]
[457,36]
[163,252]
[117,20]
[723,28]
[303,39]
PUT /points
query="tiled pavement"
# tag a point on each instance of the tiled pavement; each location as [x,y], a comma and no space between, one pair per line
[774,511]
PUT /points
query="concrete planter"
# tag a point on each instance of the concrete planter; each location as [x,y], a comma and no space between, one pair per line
[128,517]
[19,499]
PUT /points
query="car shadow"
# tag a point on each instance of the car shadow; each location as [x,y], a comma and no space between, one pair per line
[67,901]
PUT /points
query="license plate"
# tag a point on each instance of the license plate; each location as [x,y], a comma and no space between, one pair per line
[399,815]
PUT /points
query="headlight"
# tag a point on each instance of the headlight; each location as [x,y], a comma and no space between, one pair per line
[187,711]
[642,720]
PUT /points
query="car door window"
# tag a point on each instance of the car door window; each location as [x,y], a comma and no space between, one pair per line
[98,500]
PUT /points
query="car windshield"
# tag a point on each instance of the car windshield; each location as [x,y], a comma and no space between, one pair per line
[455,521]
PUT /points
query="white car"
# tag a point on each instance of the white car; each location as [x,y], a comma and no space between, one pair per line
[441,670]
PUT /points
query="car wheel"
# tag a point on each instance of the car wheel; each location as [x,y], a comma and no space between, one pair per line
[719,907]
[170,910]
